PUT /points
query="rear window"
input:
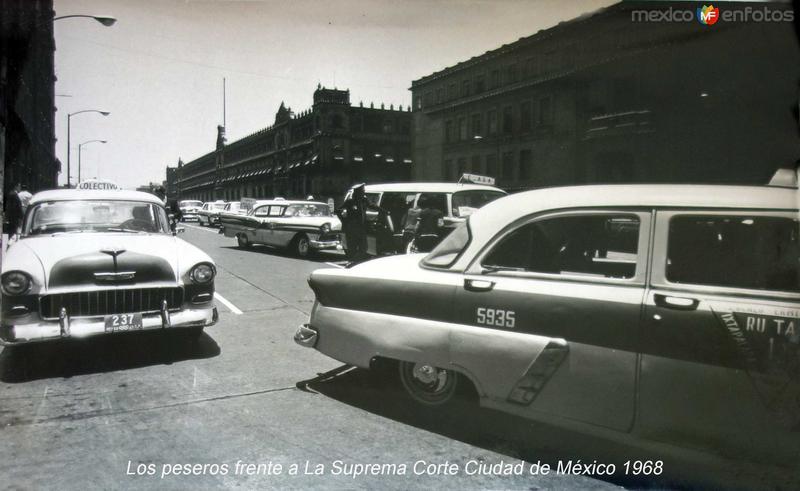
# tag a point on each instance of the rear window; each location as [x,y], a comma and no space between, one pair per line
[466,202]
[735,251]
[446,253]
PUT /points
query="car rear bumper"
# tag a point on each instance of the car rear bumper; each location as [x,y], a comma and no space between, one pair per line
[81,327]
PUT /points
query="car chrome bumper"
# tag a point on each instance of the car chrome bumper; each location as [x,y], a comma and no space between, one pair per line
[323,244]
[81,327]
[188,218]
[306,336]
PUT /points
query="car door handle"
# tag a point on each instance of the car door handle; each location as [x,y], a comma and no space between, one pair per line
[676,303]
[478,285]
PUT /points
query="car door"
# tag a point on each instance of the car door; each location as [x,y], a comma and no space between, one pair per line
[261,225]
[576,279]
[720,367]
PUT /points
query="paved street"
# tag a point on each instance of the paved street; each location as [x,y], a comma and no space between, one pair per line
[92,411]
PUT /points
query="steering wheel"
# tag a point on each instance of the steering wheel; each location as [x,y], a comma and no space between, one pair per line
[137,224]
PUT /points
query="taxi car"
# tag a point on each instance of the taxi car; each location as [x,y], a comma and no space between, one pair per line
[208,215]
[99,262]
[661,313]
[300,226]
[189,209]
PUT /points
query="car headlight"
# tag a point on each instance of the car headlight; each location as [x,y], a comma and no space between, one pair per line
[202,273]
[325,228]
[16,283]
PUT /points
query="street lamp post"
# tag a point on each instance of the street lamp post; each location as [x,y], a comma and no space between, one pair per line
[69,149]
[106,20]
[80,146]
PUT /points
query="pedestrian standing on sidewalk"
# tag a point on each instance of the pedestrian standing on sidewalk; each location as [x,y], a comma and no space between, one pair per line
[13,211]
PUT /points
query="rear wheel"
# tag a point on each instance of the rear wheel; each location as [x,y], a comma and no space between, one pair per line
[427,384]
[301,246]
[243,241]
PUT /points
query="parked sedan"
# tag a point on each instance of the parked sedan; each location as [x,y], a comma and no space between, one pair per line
[666,314]
[100,262]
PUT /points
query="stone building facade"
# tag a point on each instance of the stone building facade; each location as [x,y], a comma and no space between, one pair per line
[612,97]
[321,152]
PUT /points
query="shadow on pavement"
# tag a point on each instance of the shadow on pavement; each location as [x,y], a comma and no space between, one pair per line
[102,354]
[379,392]
[317,257]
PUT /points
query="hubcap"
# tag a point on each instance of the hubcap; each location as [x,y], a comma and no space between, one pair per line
[302,246]
[430,379]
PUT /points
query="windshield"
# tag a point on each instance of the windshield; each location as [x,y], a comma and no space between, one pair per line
[187,204]
[308,210]
[233,206]
[217,206]
[446,253]
[95,216]
[466,202]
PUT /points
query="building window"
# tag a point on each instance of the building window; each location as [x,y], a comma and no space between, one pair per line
[439,95]
[491,165]
[511,73]
[448,170]
[448,131]
[388,126]
[546,111]
[452,92]
[476,164]
[492,118]
[462,166]
[508,166]
[480,84]
[494,79]
[508,120]
[476,125]
[465,88]
[462,128]
[525,161]
[525,116]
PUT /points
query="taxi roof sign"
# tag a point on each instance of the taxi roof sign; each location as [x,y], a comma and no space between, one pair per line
[97,185]
[476,179]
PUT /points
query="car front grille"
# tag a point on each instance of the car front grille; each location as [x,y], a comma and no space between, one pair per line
[105,302]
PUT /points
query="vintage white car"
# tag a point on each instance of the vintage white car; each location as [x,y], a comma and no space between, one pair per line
[300,226]
[665,314]
[189,209]
[208,215]
[99,262]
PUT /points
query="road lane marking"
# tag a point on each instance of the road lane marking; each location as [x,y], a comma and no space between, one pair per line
[335,265]
[227,303]
[197,227]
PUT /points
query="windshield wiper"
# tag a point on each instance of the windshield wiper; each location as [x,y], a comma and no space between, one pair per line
[127,230]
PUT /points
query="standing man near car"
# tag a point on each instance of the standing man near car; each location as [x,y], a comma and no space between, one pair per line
[13,210]
[353,215]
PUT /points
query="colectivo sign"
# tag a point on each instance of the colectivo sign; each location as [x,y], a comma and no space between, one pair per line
[97,185]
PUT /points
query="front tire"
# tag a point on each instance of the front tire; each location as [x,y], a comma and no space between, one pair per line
[243,241]
[427,384]
[301,246]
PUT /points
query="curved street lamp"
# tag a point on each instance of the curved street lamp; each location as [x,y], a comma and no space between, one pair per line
[80,145]
[69,149]
[106,20]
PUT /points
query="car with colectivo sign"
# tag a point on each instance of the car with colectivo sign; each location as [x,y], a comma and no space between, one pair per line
[100,261]
[667,314]
[299,226]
